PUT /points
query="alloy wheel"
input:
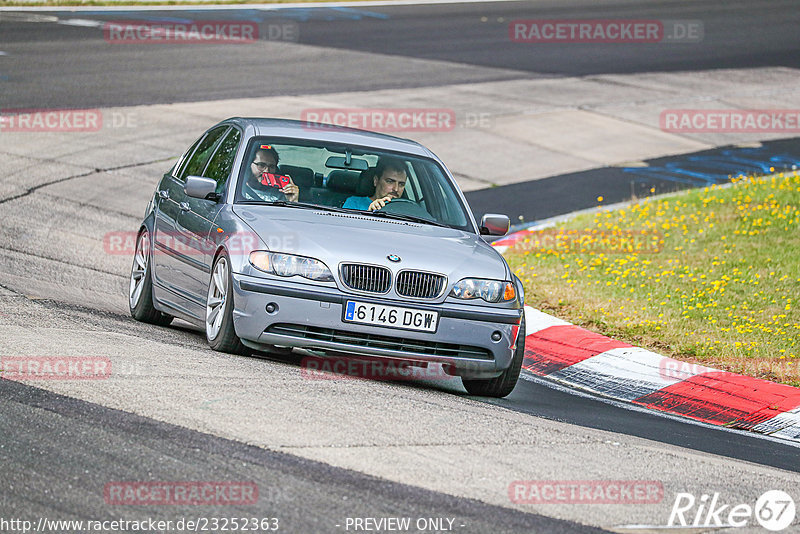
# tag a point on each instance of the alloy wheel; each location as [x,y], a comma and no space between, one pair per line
[139,269]
[217,294]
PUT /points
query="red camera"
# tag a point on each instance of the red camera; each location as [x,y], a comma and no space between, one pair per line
[275,180]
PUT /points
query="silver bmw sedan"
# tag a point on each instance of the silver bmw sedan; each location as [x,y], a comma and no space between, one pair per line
[275,234]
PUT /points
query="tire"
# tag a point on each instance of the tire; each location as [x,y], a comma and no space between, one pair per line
[504,384]
[220,333]
[140,290]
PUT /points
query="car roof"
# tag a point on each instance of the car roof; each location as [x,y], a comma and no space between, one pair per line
[323,132]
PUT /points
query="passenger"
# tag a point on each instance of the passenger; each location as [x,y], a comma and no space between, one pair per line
[390,181]
[266,160]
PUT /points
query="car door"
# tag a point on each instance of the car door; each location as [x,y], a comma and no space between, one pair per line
[195,224]
[177,259]
[166,214]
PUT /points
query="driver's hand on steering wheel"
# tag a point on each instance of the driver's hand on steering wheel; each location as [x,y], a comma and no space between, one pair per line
[379,203]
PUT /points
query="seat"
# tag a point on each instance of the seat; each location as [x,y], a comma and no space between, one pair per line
[366,183]
[340,185]
[343,181]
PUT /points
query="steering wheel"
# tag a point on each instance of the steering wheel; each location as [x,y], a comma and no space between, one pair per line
[404,206]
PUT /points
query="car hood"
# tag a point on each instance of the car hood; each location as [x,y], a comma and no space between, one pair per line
[344,237]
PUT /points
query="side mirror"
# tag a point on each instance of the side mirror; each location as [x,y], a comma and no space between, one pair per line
[200,187]
[494,224]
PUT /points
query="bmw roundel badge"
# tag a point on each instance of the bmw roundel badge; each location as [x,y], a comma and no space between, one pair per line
[393,257]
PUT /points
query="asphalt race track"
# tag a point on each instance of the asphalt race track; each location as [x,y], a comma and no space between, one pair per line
[319,452]
[304,494]
[372,48]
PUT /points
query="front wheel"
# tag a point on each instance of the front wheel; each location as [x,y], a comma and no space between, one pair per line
[504,384]
[220,333]
[140,291]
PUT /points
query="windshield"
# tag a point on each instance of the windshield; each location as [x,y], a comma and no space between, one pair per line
[350,178]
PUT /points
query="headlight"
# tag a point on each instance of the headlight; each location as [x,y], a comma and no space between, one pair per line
[488,290]
[290,265]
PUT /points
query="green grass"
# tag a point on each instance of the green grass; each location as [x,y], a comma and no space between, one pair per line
[710,276]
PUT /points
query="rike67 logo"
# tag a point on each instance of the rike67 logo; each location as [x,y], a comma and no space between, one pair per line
[774,510]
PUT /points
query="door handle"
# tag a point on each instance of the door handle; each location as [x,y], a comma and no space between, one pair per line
[164,194]
[185,206]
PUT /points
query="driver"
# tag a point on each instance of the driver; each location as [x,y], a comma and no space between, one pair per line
[390,181]
[266,160]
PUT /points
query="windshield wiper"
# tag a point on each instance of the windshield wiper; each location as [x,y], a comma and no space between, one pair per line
[307,205]
[409,218]
[287,204]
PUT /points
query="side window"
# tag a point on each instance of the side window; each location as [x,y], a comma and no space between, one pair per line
[181,164]
[198,160]
[440,201]
[221,164]
[411,184]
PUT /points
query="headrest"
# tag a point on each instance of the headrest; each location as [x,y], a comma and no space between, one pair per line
[366,183]
[301,176]
[343,180]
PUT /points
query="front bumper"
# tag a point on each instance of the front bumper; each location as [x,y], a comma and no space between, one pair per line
[310,316]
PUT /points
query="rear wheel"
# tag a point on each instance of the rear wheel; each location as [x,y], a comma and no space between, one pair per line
[140,291]
[504,384]
[220,333]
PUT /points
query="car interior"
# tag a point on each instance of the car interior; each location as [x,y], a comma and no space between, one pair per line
[328,176]
[329,188]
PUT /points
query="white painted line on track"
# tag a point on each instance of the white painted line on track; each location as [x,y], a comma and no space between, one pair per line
[13,14]
[217,7]
[84,23]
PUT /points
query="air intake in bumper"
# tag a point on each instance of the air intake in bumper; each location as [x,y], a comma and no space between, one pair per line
[358,339]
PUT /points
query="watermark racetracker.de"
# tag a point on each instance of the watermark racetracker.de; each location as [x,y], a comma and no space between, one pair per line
[780,369]
[730,121]
[348,368]
[169,493]
[55,367]
[64,120]
[586,491]
[640,31]
[122,32]
[591,241]
[123,243]
[381,119]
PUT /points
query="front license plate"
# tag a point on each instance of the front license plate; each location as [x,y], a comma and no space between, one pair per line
[392,316]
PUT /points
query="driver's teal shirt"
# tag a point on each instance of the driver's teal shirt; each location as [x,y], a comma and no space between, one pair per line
[357,203]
